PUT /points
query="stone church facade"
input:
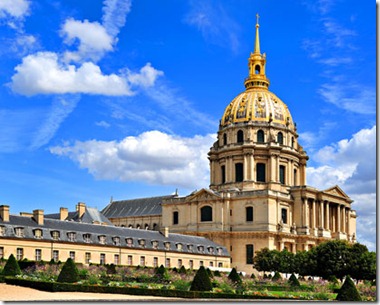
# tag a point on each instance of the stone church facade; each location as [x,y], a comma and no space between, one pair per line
[258,195]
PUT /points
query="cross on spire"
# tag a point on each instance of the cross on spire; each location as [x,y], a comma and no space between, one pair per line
[257,19]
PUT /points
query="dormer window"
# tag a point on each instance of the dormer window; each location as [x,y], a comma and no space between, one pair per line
[201,249]
[210,250]
[87,238]
[19,232]
[167,245]
[116,241]
[190,247]
[154,244]
[129,242]
[102,239]
[142,243]
[2,230]
[219,251]
[55,235]
[37,233]
[71,236]
[179,247]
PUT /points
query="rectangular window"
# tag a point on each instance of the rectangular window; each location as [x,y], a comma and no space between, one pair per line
[155,262]
[211,264]
[284,215]
[20,254]
[37,255]
[1,252]
[295,177]
[223,168]
[175,218]
[56,255]
[220,265]
[130,260]
[116,259]
[191,264]
[142,261]
[72,255]
[102,259]
[282,174]
[167,263]
[88,257]
[260,172]
[179,263]
[249,254]
[249,214]
[201,263]
[239,172]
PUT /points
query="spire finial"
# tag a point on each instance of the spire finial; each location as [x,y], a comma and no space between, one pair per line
[257,41]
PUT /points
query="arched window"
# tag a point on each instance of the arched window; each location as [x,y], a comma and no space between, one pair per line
[280,138]
[175,218]
[292,142]
[260,172]
[146,226]
[206,213]
[224,139]
[238,172]
[257,69]
[260,136]
[249,213]
[240,136]
[295,177]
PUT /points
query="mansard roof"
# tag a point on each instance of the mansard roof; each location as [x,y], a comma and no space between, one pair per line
[135,207]
[92,231]
[91,215]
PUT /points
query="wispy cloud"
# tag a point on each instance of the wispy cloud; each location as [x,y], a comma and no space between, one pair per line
[114,15]
[14,11]
[213,21]
[61,108]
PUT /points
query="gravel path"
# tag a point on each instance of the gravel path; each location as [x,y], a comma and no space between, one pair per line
[17,293]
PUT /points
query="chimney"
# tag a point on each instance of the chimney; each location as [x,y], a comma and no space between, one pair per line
[4,213]
[38,216]
[165,232]
[63,213]
[81,208]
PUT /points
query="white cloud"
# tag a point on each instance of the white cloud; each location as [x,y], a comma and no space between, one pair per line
[145,78]
[93,38]
[351,163]
[153,157]
[103,124]
[42,73]
[214,23]
[14,8]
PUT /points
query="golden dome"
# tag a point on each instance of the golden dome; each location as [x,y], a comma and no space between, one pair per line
[257,105]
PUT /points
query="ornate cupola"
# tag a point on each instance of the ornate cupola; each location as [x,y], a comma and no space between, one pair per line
[257,145]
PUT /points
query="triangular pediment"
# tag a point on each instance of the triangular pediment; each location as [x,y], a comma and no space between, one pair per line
[203,194]
[336,191]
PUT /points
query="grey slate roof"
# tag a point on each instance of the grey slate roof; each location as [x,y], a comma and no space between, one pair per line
[135,207]
[90,215]
[110,232]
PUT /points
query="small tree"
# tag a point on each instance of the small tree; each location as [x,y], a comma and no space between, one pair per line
[182,270]
[201,281]
[348,291]
[234,276]
[69,272]
[276,277]
[11,268]
[293,281]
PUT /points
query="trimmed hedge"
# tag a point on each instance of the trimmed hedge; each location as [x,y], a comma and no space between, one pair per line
[67,287]
[69,272]
[11,267]
[348,291]
[201,281]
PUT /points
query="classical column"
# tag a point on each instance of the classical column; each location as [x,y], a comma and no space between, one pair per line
[313,216]
[229,170]
[338,218]
[321,215]
[348,222]
[305,213]
[245,168]
[343,219]
[251,167]
[327,214]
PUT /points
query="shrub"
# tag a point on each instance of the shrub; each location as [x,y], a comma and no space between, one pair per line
[217,273]
[111,269]
[11,268]
[293,281]
[69,272]
[253,276]
[234,276]
[182,270]
[276,277]
[348,291]
[201,281]
[209,272]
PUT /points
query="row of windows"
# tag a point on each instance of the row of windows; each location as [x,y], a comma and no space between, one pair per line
[260,173]
[260,138]
[146,227]
[102,258]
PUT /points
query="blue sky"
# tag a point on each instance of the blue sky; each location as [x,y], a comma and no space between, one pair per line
[123,98]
